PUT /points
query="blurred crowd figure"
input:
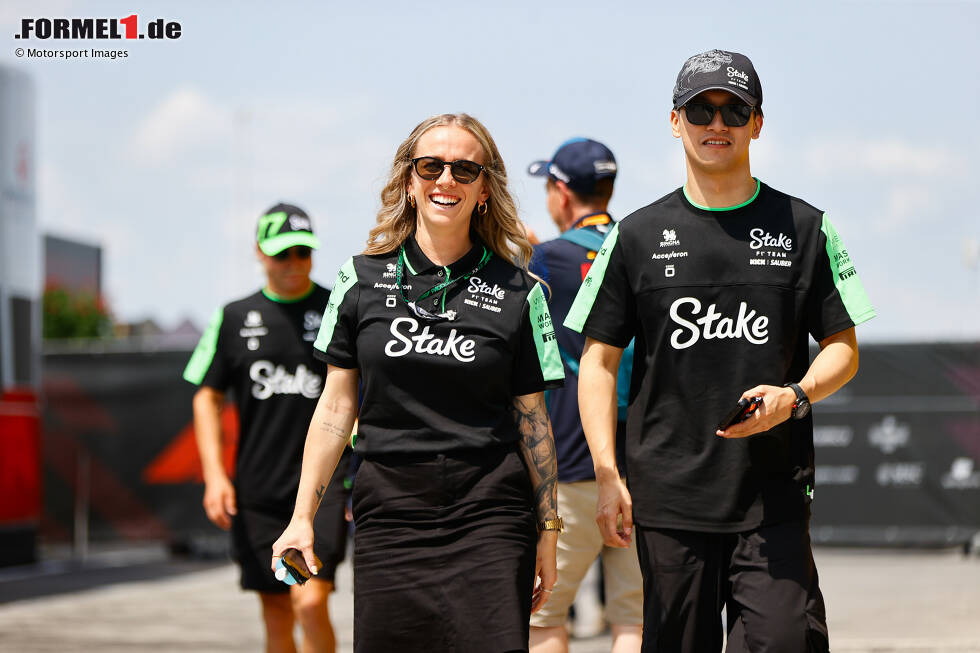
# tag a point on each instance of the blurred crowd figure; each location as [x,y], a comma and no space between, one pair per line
[579,179]
[260,348]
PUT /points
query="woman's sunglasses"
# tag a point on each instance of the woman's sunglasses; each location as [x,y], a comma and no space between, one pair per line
[301,252]
[430,168]
[702,113]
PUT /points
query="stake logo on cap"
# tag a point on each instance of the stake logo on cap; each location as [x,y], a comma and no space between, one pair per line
[718,70]
[284,226]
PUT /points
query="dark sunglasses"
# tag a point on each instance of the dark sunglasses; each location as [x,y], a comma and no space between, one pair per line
[430,168]
[302,252]
[702,113]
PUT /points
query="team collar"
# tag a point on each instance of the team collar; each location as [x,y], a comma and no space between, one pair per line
[591,220]
[758,189]
[418,263]
[282,300]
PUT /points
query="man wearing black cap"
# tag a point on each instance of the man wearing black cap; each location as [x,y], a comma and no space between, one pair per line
[579,184]
[722,282]
[262,348]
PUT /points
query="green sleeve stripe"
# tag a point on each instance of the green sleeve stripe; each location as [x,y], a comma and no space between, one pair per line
[544,335]
[582,306]
[346,279]
[200,361]
[849,287]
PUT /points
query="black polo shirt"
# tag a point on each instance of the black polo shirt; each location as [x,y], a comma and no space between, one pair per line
[433,386]
[719,301]
[260,348]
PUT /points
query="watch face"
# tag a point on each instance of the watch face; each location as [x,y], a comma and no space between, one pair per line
[802,409]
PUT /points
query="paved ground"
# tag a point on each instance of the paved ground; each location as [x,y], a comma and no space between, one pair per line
[879,601]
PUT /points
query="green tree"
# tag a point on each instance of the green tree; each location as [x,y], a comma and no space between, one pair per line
[70,314]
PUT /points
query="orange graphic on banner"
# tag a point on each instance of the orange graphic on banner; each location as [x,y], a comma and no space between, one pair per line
[180,461]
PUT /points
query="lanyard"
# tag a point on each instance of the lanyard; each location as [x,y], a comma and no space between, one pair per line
[444,285]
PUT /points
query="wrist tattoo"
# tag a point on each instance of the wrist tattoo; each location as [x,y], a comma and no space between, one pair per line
[320,492]
[333,429]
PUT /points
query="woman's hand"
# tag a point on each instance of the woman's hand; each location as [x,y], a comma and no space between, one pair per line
[298,535]
[545,569]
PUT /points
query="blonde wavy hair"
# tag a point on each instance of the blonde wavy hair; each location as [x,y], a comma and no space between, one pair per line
[499,227]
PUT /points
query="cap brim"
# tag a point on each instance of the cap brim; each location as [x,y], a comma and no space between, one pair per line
[538,169]
[276,244]
[734,90]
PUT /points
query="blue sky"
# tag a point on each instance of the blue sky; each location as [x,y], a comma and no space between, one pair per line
[167,157]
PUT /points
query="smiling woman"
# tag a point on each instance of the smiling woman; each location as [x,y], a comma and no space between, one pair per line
[447,338]
[493,218]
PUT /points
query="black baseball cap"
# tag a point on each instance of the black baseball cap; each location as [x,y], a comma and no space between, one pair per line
[579,162]
[284,226]
[718,70]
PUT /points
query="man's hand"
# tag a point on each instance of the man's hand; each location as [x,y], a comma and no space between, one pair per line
[219,502]
[835,365]
[614,512]
[776,408]
[219,494]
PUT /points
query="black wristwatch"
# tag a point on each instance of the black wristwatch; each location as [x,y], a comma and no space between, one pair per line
[801,407]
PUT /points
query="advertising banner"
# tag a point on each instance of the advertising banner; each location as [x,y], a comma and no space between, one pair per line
[897,450]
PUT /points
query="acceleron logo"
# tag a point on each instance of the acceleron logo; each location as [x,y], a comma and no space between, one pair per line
[81,29]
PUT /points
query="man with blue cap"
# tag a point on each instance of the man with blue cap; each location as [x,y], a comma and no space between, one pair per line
[579,184]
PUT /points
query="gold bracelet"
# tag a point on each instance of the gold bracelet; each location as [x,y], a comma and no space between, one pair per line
[556,524]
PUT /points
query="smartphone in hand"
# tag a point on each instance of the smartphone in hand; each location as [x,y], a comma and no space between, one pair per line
[291,568]
[740,412]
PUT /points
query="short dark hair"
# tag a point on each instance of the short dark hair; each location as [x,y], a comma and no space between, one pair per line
[601,192]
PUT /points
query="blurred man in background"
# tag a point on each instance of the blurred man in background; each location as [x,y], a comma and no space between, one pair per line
[579,185]
[261,348]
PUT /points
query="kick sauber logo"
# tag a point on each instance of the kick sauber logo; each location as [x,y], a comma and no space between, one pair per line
[130,27]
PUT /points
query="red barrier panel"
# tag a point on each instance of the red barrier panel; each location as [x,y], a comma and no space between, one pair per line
[20,459]
[20,477]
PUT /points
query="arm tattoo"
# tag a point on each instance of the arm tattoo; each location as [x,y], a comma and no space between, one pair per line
[537,446]
[333,429]
[319,493]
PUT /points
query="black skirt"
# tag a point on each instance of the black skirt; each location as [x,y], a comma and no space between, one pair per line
[444,552]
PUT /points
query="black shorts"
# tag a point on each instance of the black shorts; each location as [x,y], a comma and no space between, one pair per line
[765,578]
[444,553]
[255,529]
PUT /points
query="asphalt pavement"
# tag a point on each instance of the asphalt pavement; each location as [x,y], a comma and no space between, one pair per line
[144,600]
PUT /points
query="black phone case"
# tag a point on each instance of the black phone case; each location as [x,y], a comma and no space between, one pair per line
[292,570]
[739,413]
